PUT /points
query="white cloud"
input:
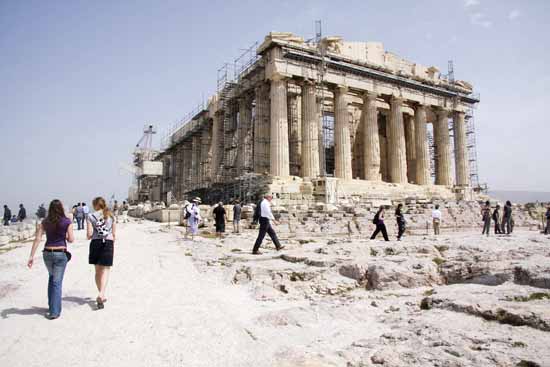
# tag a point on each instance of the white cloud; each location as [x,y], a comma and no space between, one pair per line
[481,20]
[469,3]
[514,14]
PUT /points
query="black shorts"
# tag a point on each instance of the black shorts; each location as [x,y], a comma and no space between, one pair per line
[101,253]
[220,227]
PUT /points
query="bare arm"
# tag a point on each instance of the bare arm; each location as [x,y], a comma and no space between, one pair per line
[37,239]
[89,229]
[70,234]
[114,231]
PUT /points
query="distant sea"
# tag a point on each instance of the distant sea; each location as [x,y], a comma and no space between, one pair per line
[520,197]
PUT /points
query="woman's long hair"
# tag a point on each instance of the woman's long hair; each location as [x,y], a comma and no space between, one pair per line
[99,204]
[398,210]
[56,212]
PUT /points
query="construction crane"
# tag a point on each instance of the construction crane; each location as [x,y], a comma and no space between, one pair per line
[147,171]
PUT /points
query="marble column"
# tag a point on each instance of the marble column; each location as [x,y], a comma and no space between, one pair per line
[176,170]
[461,150]
[342,141]
[294,104]
[410,145]
[278,157]
[217,146]
[206,155]
[442,149]
[187,149]
[422,163]
[196,159]
[244,132]
[371,141]
[397,160]
[261,129]
[310,131]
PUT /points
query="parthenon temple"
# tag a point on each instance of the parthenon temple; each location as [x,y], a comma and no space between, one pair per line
[326,120]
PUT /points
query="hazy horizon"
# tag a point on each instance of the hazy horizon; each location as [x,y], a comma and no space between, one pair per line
[81,79]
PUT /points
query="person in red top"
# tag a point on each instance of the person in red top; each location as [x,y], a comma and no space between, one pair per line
[59,231]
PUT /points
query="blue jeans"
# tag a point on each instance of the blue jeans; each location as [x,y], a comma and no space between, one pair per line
[80,223]
[55,263]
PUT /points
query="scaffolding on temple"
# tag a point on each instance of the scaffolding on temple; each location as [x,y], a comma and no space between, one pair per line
[472,152]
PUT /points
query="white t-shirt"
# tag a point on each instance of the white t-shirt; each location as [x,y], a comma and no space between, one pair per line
[436,214]
[265,207]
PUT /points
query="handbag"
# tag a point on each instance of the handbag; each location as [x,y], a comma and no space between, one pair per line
[69,256]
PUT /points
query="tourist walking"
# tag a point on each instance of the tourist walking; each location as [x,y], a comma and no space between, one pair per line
[219,219]
[265,219]
[496,219]
[401,222]
[380,226]
[193,216]
[86,211]
[80,216]
[101,230]
[59,231]
[237,217]
[436,219]
[486,217]
[125,209]
[7,216]
[116,209]
[507,218]
[547,215]
[22,215]
[41,212]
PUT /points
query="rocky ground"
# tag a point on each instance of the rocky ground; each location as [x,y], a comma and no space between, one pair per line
[456,300]
[459,299]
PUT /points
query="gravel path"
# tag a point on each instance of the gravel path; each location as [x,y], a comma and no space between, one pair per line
[160,311]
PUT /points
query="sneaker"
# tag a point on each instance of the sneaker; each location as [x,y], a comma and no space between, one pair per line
[256,253]
[49,316]
[280,248]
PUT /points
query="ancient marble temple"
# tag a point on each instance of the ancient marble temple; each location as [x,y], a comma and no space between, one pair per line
[324,121]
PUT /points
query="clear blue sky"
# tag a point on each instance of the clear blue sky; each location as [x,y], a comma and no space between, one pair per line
[79,79]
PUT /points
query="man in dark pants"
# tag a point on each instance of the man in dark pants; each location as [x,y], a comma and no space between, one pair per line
[496,219]
[22,213]
[265,226]
[7,215]
[486,217]
[547,215]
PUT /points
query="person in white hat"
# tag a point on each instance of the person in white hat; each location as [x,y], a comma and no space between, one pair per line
[193,216]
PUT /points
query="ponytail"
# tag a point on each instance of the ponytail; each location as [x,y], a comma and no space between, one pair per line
[99,204]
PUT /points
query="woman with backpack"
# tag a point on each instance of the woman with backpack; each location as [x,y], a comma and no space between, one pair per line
[380,226]
[401,222]
[59,231]
[101,229]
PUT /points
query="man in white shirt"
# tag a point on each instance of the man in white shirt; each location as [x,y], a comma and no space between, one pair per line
[436,219]
[265,225]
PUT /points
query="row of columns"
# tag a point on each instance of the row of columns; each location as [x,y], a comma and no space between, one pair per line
[406,145]
[262,140]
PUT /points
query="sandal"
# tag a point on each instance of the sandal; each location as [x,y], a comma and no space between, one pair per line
[100,305]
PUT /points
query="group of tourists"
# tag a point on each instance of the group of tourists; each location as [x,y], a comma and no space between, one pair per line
[378,221]
[80,211]
[58,228]
[503,225]
[8,218]
[191,213]
[262,215]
